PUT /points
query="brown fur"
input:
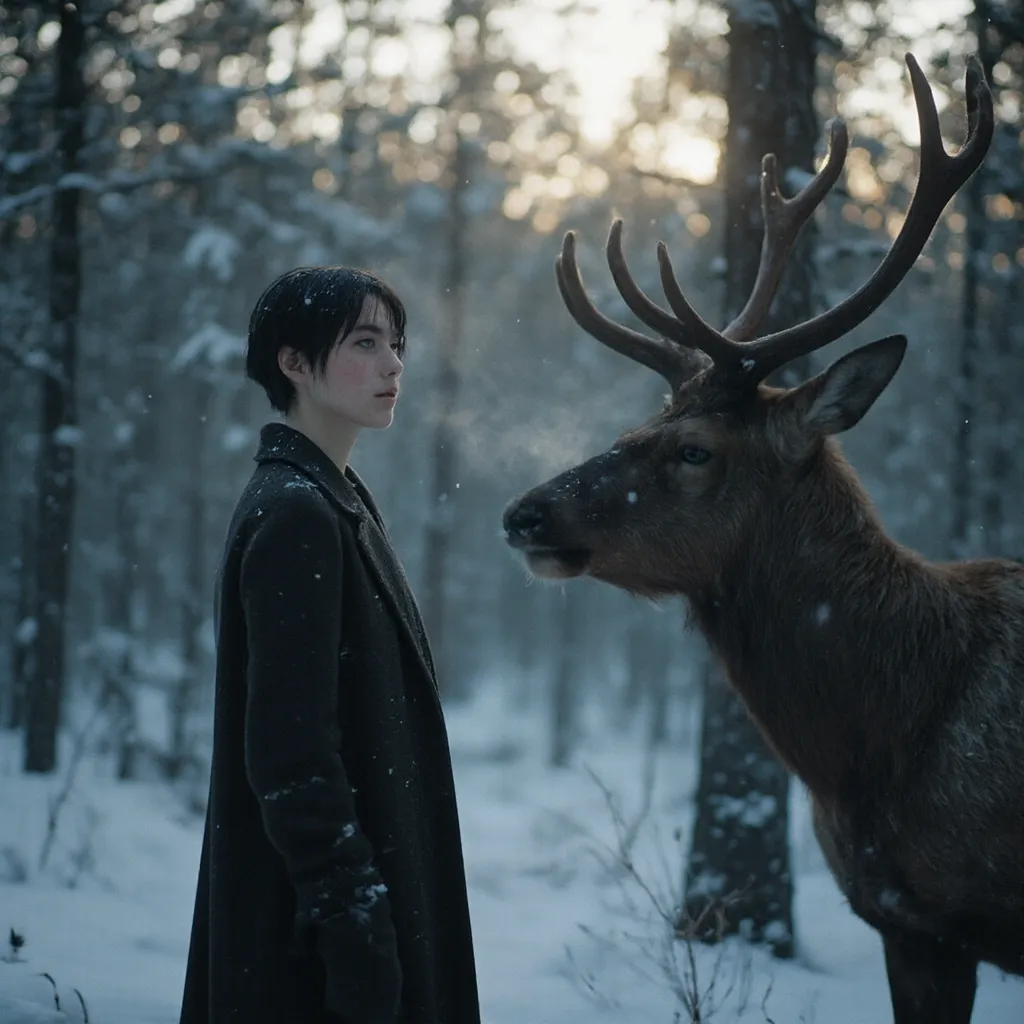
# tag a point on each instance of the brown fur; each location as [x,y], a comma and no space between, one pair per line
[892,686]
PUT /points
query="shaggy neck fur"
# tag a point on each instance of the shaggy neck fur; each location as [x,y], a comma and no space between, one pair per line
[841,643]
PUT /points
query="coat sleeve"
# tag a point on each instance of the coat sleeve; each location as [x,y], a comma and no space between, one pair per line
[291,576]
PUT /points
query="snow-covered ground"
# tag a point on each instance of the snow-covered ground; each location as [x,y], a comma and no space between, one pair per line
[561,937]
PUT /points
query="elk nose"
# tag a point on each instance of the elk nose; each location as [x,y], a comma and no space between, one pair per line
[522,522]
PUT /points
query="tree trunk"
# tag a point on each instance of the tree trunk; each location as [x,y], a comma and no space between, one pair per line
[999,418]
[441,518]
[185,694]
[194,595]
[119,684]
[564,688]
[739,855]
[963,479]
[658,692]
[58,435]
[739,860]
[647,670]
[23,646]
[20,332]
[349,139]
[518,638]
[988,392]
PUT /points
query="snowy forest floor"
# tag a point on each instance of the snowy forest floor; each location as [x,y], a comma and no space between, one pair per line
[563,934]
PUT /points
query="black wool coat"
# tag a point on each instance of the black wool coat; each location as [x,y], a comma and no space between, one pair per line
[332,813]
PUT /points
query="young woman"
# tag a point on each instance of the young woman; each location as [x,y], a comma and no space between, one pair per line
[331,885]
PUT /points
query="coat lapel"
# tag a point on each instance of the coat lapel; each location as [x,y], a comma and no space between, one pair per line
[380,558]
[279,442]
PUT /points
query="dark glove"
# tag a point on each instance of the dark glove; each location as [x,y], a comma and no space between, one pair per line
[360,956]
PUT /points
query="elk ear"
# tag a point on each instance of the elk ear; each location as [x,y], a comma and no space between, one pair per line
[838,397]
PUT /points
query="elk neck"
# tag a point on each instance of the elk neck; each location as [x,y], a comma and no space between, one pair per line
[838,639]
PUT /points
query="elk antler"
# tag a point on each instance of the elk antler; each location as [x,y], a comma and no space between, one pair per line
[672,362]
[783,219]
[939,178]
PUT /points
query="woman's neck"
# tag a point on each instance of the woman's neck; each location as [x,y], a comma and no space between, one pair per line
[336,439]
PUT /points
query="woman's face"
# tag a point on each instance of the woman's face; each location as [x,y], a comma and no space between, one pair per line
[359,384]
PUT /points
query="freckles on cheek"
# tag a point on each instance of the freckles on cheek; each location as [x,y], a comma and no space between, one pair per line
[350,373]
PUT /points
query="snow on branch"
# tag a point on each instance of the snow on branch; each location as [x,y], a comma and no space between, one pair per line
[215,249]
[195,163]
[212,345]
[32,359]
[347,223]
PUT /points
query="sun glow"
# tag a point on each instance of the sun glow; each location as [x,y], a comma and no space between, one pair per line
[694,157]
[602,48]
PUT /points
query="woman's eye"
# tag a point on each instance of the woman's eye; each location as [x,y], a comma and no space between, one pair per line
[694,456]
[365,342]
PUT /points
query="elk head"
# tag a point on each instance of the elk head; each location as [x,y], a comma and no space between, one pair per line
[669,505]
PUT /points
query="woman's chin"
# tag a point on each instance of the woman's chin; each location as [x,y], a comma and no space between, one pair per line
[378,419]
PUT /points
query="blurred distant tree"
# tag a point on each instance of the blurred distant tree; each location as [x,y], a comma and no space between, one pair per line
[225,142]
[23,328]
[467,23]
[988,429]
[739,855]
[58,428]
[495,123]
[106,114]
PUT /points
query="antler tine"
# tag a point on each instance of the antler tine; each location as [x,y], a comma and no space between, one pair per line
[699,332]
[673,363]
[939,178]
[783,221]
[686,327]
[644,308]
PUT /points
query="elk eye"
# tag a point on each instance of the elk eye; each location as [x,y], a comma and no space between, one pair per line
[694,456]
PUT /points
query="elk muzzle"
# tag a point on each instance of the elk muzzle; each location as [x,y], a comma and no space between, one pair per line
[531,527]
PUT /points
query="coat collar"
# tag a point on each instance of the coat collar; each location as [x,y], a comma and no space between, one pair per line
[281,443]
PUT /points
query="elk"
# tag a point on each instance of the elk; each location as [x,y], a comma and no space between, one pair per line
[892,686]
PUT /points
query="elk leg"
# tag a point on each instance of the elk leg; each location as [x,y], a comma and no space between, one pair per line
[930,981]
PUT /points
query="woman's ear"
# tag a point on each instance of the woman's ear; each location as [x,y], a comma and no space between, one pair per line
[293,364]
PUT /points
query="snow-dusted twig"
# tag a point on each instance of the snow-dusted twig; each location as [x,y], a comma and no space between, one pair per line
[700,990]
[85,1009]
[57,802]
[56,994]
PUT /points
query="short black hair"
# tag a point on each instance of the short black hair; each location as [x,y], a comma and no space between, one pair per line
[310,309]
